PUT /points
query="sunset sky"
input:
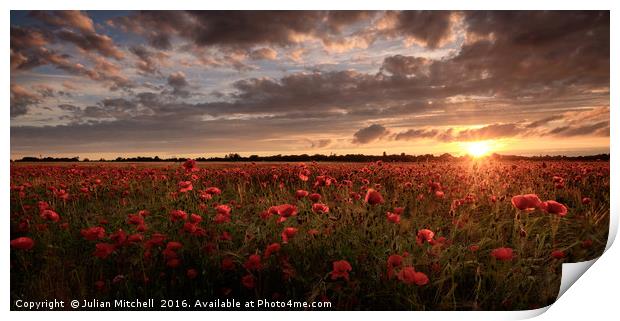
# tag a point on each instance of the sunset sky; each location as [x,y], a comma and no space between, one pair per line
[187,84]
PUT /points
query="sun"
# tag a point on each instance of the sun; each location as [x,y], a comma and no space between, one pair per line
[478,149]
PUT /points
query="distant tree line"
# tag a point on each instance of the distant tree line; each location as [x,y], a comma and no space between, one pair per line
[234,157]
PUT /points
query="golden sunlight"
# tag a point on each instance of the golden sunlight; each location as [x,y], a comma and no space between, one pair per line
[478,149]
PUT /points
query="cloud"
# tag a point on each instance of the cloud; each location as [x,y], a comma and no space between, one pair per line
[28,51]
[369,134]
[66,18]
[21,100]
[544,121]
[179,84]
[415,134]
[517,129]
[432,29]
[91,41]
[600,128]
[147,59]
[240,29]
[490,132]
[78,28]
[264,54]
[320,143]
[406,65]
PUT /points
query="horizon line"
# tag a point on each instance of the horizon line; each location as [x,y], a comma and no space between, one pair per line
[238,157]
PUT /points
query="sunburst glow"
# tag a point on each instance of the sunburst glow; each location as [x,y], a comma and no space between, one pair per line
[478,149]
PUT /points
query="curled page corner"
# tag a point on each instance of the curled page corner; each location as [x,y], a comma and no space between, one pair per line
[571,272]
[529,314]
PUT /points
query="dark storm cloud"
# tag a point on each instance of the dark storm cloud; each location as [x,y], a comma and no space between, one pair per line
[527,49]
[513,67]
[369,134]
[429,28]
[400,65]
[237,29]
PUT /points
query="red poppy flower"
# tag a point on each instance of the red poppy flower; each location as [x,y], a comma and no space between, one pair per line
[195,218]
[100,285]
[22,243]
[373,197]
[253,262]
[553,207]
[284,210]
[586,201]
[558,254]
[174,246]
[221,218]
[265,214]
[42,206]
[300,193]
[424,235]
[320,208]
[156,239]
[408,275]
[190,165]
[135,238]
[185,186]
[225,236]
[190,227]
[248,281]
[93,233]
[173,263]
[393,261]
[213,191]
[50,215]
[228,264]
[341,269]
[136,219]
[526,202]
[103,250]
[503,253]
[288,233]
[223,209]
[178,215]
[119,237]
[191,274]
[315,197]
[271,248]
[439,194]
[393,217]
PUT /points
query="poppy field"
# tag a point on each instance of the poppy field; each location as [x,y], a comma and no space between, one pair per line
[473,234]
